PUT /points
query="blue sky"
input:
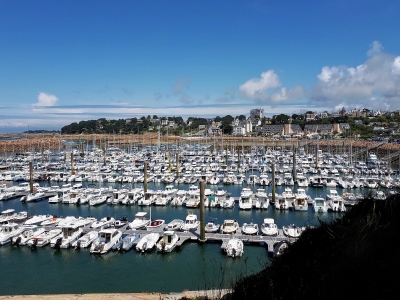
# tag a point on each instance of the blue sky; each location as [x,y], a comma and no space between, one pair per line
[67,61]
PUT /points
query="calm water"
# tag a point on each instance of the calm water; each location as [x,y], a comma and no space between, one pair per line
[194,266]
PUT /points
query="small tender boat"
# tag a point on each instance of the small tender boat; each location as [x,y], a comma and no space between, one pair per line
[175,224]
[128,241]
[250,228]
[168,241]
[85,240]
[155,223]
[103,223]
[229,226]
[121,222]
[147,242]
[234,247]
[292,231]
[268,227]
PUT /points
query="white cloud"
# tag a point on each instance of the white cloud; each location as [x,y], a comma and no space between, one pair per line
[265,90]
[256,88]
[376,47]
[376,78]
[46,100]
[396,65]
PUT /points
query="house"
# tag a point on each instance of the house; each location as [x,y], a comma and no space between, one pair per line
[171,123]
[310,116]
[202,127]
[323,115]
[164,122]
[358,122]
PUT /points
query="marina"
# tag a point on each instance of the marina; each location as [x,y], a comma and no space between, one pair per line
[172,193]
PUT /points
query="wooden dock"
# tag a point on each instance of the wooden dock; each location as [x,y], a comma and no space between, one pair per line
[184,236]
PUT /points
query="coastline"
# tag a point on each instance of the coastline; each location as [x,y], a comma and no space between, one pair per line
[210,294]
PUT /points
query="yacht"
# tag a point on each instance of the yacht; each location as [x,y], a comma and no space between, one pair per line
[250,228]
[234,248]
[245,201]
[106,240]
[70,233]
[140,221]
[262,200]
[319,205]
[8,231]
[300,201]
[191,223]
[229,227]
[168,241]
[268,227]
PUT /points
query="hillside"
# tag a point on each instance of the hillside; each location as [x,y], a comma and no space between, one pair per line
[355,257]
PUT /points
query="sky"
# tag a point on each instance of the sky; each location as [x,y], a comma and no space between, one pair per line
[68,61]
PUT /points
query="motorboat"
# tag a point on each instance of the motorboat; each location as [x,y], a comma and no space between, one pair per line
[106,240]
[35,220]
[121,222]
[103,223]
[44,238]
[147,242]
[29,233]
[175,224]
[245,201]
[228,202]
[8,231]
[155,223]
[33,197]
[300,201]
[234,247]
[336,204]
[292,231]
[229,226]
[282,203]
[86,240]
[70,233]
[191,223]
[72,197]
[128,241]
[168,241]
[7,215]
[140,221]
[212,226]
[262,200]
[250,228]
[268,227]
[319,205]
[98,199]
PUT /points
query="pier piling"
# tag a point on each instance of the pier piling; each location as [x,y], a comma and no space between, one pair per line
[202,221]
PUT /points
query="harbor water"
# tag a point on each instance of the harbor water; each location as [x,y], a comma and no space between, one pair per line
[194,266]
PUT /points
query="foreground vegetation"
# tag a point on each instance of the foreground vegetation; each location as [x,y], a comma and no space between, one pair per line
[353,257]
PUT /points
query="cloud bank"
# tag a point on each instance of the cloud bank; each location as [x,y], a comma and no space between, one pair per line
[374,84]
[265,90]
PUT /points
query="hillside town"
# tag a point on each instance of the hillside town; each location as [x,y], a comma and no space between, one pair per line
[354,123]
